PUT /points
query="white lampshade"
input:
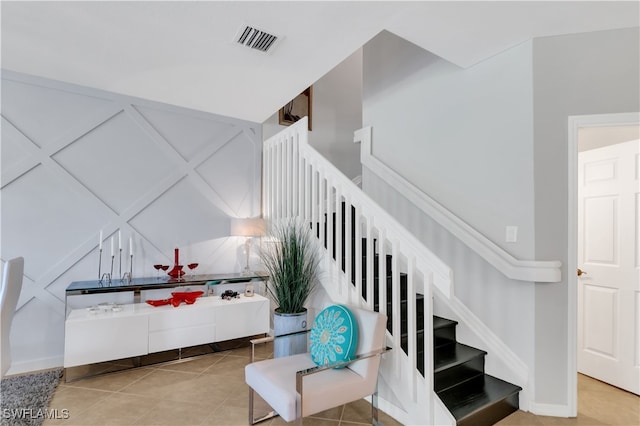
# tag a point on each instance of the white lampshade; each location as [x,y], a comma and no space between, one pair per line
[247,227]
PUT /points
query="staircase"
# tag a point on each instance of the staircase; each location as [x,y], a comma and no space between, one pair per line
[365,244]
[471,395]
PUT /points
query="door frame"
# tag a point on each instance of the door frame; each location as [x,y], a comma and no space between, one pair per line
[575,123]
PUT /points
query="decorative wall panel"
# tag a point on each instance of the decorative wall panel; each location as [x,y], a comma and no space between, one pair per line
[77,160]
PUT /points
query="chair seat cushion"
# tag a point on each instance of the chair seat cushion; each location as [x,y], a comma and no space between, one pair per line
[275,381]
[334,335]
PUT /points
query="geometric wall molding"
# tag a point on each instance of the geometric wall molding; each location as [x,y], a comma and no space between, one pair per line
[77,160]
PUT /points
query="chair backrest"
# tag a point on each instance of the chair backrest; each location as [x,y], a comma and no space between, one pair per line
[9,294]
[371,336]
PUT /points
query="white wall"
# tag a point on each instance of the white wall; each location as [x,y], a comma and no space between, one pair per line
[591,73]
[490,143]
[337,113]
[462,136]
[481,287]
[465,138]
[77,160]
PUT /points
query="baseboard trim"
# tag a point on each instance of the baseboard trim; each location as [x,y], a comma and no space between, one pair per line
[35,365]
[552,410]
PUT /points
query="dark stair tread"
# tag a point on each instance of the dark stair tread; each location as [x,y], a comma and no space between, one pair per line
[444,332]
[469,398]
[451,377]
[454,354]
[439,322]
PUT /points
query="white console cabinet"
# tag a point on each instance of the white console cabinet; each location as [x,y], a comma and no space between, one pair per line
[105,336]
[140,329]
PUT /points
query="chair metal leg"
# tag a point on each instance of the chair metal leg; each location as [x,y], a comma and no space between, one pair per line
[271,414]
[252,420]
[298,420]
[374,407]
[251,405]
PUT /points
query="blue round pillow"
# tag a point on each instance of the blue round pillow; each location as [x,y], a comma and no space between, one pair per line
[334,335]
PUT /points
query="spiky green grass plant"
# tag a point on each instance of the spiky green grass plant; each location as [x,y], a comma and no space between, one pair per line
[292,262]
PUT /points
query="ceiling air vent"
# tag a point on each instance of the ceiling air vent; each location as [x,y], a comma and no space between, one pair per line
[255,38]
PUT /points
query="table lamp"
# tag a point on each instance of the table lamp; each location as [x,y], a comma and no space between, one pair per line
[247,227]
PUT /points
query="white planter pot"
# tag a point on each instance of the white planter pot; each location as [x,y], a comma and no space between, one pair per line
[287,324]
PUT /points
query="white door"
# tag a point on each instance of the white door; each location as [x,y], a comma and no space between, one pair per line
[609,255]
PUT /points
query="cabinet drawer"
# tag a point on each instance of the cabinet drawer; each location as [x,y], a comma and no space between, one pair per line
[242,317]
[184,316]
[104,339]
[181,337]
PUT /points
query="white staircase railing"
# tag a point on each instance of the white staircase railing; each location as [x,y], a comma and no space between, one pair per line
[299,182]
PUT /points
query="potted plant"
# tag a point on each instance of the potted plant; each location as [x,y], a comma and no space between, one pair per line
[292,262]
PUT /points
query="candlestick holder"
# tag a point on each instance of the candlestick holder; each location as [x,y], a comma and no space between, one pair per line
[106,277]
[111,270]
[120,263]
[128,276]
[99,264]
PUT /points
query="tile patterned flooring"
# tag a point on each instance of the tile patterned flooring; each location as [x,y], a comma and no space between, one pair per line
[598,404]
[210,390]
[205,390]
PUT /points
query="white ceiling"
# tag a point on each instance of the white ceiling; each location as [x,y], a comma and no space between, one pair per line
[182,52]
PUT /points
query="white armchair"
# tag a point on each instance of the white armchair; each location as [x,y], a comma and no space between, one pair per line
[9,294]
[295,387]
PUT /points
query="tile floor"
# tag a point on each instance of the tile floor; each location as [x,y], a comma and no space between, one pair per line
[210,390]
[598,404]
[206,390]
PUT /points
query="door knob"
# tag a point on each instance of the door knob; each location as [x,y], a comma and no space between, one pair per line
[580,272]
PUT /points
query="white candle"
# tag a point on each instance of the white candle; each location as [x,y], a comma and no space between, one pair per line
[100,239]
[119,240]
[131,246]
[112,246]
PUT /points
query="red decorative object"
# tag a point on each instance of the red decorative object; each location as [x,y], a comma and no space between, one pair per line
[192,266]
[177,271]
[159,302]
[188,297]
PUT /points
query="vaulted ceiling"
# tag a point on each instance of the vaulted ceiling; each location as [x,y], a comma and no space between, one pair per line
[184,53]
